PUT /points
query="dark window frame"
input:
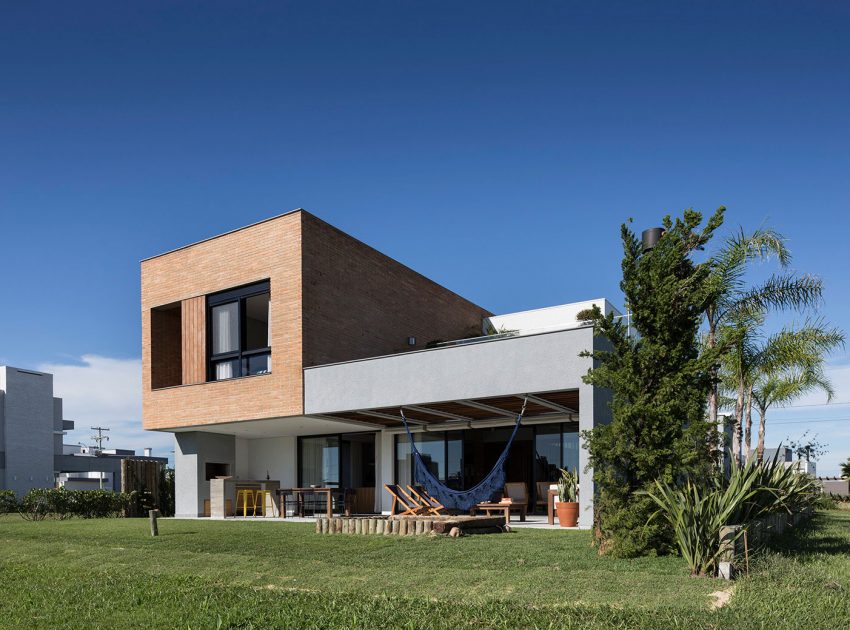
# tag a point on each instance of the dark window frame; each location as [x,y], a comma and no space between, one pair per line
[237,295]
[340,437]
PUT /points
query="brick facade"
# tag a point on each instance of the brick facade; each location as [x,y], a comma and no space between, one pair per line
[333,298]
[269,250]
[360,303]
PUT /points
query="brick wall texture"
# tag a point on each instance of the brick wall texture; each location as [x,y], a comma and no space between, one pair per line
[333,298]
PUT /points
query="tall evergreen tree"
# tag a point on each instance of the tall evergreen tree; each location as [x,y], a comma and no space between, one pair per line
[659,381]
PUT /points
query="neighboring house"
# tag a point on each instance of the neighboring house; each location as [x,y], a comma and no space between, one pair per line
[285,349]
[785,455]
[31,451]
[31,430]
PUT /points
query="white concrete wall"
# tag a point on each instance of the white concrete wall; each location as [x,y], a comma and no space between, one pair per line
[273,456]
[561,317]
[533,363]
[28,440]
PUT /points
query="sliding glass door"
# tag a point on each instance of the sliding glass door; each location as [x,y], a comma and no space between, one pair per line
[319,461]
[442,453]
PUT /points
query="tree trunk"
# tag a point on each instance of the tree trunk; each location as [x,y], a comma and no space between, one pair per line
[748,433]
[736,427]
[712,393]
[760,447]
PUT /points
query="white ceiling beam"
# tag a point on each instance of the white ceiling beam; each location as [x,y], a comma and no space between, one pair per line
[546,403]
[386,416]
[438,413]
[499,413]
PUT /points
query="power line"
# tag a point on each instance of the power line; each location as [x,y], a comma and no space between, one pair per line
[829,404]
[811,420]
[100,437]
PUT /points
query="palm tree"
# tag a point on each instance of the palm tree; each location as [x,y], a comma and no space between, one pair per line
[733,300]
[845,469]
[740,336]
[790,364]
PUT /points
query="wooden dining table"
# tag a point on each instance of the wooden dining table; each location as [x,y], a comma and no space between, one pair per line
[300,492]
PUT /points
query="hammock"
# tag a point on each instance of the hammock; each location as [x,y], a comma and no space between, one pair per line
[463,500]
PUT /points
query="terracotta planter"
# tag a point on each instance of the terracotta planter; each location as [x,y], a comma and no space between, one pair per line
[567,514]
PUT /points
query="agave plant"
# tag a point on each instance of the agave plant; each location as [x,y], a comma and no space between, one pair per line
[698,511]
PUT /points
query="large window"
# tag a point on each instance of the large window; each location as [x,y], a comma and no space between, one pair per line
[441,451]
[344,460]
[319,459]
[240,332]
[556,446]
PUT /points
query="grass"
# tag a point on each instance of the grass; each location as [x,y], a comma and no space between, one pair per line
[202,574]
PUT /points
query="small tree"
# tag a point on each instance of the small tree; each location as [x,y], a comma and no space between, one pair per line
[845,469]
[808,447]
[660,383]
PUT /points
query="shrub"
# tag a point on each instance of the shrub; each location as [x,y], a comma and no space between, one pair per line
[39,503]
[696,512]
[35,504]
[826,502]
[8,502]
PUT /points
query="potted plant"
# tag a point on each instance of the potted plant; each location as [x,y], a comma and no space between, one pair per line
[567,506]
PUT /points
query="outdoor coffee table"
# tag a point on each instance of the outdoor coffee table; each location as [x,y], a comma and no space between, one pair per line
[489,508]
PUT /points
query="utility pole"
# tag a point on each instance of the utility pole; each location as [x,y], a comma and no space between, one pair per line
[99,439]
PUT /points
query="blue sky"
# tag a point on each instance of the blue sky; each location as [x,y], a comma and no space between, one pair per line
[495,147]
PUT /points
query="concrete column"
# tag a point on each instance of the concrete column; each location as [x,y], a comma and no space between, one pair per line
[378,468]
[594,410]
[385,465]
[586,485]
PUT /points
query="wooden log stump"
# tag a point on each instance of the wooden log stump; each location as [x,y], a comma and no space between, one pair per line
[154,515]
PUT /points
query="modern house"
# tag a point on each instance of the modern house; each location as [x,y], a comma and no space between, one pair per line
[285,350]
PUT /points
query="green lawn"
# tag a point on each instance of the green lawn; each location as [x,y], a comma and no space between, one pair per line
[201,574]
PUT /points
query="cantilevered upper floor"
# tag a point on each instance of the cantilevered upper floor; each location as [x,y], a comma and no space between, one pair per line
[229,323]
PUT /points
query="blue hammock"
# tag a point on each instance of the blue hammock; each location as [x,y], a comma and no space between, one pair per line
[463,500]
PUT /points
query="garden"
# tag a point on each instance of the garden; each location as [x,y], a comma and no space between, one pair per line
[108,573]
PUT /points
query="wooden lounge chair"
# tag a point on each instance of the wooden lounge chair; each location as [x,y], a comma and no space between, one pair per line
[400,498]
[517,491]
[424,498]
[542,499]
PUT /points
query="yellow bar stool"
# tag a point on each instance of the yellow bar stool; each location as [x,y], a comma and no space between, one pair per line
[245,496]
[263,499]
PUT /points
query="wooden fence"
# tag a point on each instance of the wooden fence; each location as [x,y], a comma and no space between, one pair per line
[141,476]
